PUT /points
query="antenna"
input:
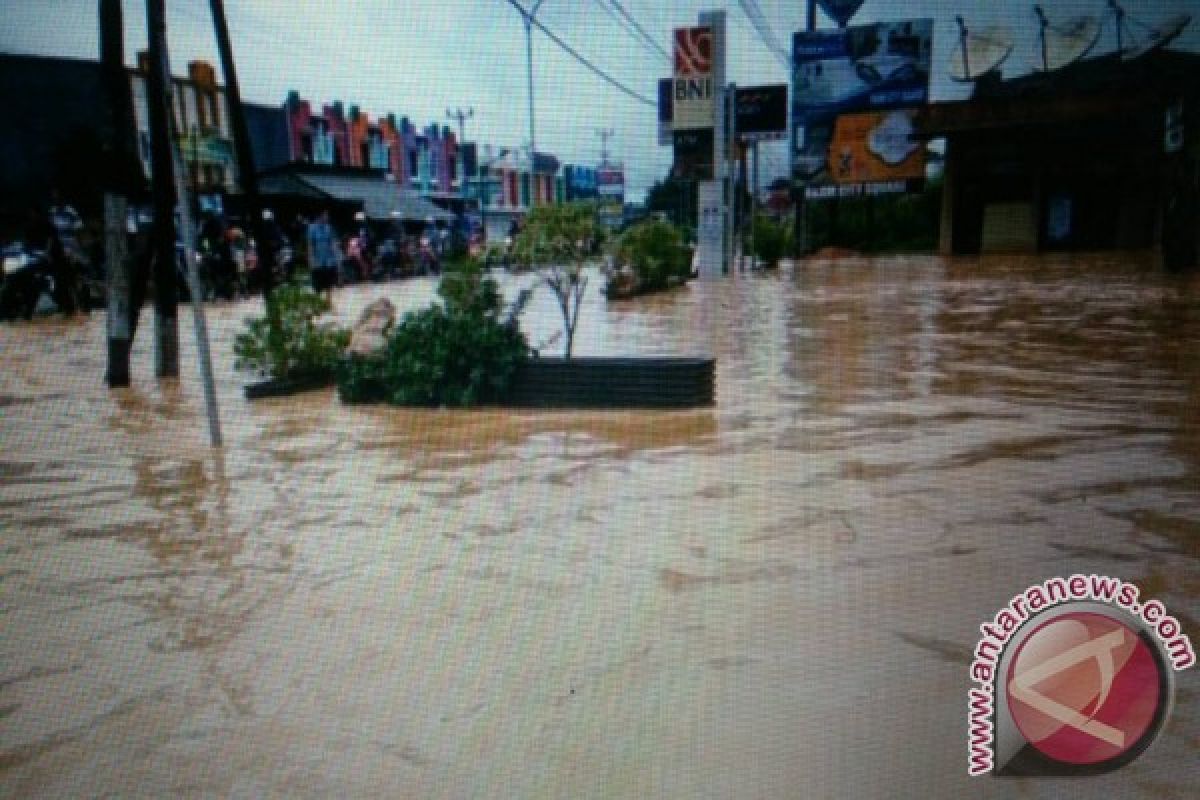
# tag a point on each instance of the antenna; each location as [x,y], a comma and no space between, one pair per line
[979,52]
[1065,44]
[604,135]
[1160,36]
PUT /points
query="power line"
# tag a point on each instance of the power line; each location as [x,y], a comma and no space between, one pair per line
[623,23]
[754,13]
[575,54]
[645,36]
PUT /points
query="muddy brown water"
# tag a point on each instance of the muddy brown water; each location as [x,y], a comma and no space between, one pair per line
[776,597]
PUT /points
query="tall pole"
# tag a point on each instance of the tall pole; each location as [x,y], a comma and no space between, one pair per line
[527,17]
[800,222]
[604,135]
[247,176]
[124,180]
[461,117]
[166,327]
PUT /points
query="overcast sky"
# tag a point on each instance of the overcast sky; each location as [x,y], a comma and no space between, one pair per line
[418,57]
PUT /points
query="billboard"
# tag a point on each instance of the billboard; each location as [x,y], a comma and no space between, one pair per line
[610,182]
[694,95]
[693,155]
[864,68]
[760,112]
[876,146]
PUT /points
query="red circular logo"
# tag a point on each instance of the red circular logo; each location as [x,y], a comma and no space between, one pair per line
[1084,688]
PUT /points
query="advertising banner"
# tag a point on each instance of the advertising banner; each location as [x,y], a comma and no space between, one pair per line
[761,112]
[694,96]
[666,110]
[610,182]
[864,68]
[693,155]
[877,146]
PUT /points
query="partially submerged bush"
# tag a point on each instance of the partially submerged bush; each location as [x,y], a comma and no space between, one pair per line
[770,240]
[656,253]
[289,342]
[459,353]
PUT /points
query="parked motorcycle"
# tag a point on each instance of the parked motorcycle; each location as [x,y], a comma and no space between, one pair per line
[26,280]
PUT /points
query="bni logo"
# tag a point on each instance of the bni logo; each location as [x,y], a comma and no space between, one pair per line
[1076,678]
[693,51]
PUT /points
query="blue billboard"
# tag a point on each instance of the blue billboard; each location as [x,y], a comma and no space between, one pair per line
[862,68]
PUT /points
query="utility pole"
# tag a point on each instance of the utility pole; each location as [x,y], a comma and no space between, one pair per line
[124,181]
[461,117]
[800,221]
[527,16]
[166,327]
[247,177]
[604,135]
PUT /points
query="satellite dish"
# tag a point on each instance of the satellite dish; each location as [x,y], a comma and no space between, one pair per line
[1159,36]
[1066,43]
[979,51]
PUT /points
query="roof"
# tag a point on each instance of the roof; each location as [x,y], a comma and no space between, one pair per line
[1093,89]
[380,198]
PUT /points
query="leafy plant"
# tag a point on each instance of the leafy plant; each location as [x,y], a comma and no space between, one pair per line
[769,241]
[558,240]
[656,252]
[438,357]
[289,342]
[463,352]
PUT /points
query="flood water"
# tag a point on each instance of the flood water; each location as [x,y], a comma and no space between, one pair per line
[775,597]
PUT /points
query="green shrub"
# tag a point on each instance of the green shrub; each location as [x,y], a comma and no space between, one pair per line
[656,252]
[438,357]
[288,342]
[770,240]
[463,352]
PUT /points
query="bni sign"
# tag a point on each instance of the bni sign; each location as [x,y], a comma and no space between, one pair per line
[694,97]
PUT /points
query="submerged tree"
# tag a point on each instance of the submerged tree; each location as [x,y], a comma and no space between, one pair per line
[557,241]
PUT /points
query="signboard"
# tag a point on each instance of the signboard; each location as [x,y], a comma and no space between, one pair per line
[693,155]
[865,68]
[761,112]
[205,148]
[610,182]
[840,11]
[694,96]
[666,110]
[876,146]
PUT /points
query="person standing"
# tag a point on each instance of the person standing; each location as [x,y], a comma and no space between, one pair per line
[323,255]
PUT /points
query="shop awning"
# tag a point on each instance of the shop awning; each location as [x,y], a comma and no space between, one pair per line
[380,198]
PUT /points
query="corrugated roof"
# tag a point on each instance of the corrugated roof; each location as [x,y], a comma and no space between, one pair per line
[380,198]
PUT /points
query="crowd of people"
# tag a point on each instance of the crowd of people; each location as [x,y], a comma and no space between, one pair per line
[235,259]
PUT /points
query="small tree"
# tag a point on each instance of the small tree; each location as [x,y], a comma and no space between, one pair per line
[557,241]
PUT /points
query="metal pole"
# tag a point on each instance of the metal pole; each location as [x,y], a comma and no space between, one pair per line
[528,16]
[195,289]
[753,204]
[166,328]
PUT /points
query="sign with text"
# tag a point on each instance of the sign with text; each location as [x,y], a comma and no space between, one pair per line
[693,155]
[694,96]
[877,146]
[610,182]
[761,112]
[864,68]
[666,110]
